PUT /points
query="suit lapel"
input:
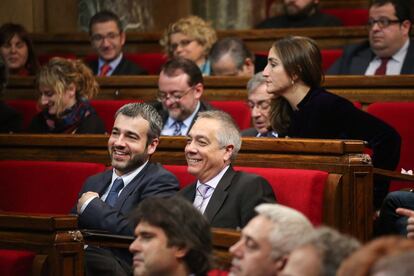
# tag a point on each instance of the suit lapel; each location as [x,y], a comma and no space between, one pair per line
[361,62]
[219,195]
[408,64]
[130,188]
[106,181]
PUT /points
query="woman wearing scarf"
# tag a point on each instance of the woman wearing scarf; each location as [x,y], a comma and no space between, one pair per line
[65,87]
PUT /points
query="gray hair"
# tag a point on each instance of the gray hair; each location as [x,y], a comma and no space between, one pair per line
[289,227]
[229,133]
[332,246]
[255,82]
[233,46]
[148,113]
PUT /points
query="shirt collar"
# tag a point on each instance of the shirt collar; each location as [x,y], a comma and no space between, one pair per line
[215,180]
[113,64]
[127,178]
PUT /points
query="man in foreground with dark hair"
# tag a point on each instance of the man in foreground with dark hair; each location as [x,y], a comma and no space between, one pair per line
[172,238]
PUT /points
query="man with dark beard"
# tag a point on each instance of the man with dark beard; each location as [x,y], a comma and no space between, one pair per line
[106,199]
[300,14]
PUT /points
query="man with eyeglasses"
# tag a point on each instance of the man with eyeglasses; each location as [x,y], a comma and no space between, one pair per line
[389,50]
[259,103]
[107,39]
[180,87]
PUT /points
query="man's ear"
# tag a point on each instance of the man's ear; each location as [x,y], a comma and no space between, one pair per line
[229,152]
[123,38]
[198,90]
[153,146]
[248,67]
[281,263]
[181,252]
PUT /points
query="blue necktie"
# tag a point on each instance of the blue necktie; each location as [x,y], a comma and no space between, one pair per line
[113,193]
[177,128]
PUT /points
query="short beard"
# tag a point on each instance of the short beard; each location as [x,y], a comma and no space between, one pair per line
[136,162]
[305,12]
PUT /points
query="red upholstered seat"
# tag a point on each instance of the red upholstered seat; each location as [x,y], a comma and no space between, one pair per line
[238,110]
[28,108]
[44,58]
[349,16]
[43,186]
[106,110]
[151,62]
[16,262]
[329,56]
[300,189]
[399,115]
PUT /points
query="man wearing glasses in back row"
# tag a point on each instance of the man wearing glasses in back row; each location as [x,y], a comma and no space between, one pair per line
[180,87]
[107,38]
[389,51]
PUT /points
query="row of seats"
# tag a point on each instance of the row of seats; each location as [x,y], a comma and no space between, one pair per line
[152,62]
[106,110]
[397,114]
[25,182]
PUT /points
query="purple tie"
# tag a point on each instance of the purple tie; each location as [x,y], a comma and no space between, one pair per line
[204,192]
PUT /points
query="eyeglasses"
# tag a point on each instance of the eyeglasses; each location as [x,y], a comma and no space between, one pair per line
[174,97]
[99,38]
[182,43]
[383,22]
[262,105]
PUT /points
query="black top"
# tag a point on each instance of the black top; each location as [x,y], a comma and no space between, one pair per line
[10,119]
[92,124]
[325,115]
[317,19]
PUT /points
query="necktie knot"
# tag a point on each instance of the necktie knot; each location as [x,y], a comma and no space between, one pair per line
[104,70]
[113,193]
[177,128]
[382,69]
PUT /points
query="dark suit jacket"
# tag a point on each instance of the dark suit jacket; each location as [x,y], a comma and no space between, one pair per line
[125,67]
[356,58]
[233,201]
[250,132]
[204,106]
[153,180]
[10,119]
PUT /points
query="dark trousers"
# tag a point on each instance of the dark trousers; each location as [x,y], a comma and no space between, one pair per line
[102,261]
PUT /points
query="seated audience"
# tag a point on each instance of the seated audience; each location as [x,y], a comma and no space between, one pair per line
[192,38]
[377,255]
[180,87]
[65,87]
[321,253]
[107,199]
[396,215]
[267,240]
[172,238]
[17,51]
[259,102]
[10,119]
[389,50]
[107,38]
[231,57]
[226,197]
[300,14]
[294,72]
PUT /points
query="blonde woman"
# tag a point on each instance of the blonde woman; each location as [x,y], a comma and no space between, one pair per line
[192,38]
[65,87]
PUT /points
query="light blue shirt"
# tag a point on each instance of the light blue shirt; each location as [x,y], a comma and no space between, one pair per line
[113,64]
[169,125]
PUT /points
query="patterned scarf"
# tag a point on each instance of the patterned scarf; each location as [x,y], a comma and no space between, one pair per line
[70,119]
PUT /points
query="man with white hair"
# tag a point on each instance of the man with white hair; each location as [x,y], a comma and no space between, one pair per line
[267,240]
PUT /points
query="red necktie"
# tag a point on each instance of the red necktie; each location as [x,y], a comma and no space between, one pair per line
[382,69]
[104,70]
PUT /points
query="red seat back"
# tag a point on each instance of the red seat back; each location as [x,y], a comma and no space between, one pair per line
[299,189]
[106,110]
[43,186]
[16,262]
[28,108]
[238,110]
[399,115]
[329,56]
[349,16]
[44,58]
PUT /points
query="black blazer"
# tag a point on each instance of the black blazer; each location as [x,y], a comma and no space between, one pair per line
[356,58]
[125,67]
[234,199]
